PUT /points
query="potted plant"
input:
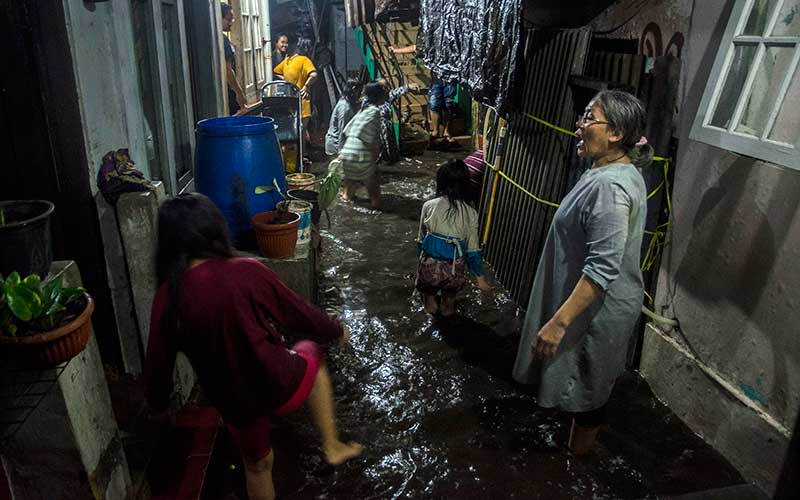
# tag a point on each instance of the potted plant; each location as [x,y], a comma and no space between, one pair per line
[276,233]
[44,322]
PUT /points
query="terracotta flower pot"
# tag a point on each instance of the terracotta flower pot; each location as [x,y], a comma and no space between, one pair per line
[56,346]
[276,233]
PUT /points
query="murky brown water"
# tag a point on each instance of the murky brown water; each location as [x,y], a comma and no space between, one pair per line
[435,405]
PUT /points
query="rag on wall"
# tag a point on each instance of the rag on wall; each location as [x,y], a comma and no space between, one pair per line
[118,175]
[475,43]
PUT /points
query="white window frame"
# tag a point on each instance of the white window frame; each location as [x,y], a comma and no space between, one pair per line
[762,148]
[252,60]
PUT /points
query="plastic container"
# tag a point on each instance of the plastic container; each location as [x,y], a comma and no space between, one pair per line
[25,245]
[302,181]
[238,161]
[303,209]
[309,196]
[276,233]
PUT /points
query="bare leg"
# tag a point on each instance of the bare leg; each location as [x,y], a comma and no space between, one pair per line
[436,119]
[431,303]
[448,303]
[259,478]
[446,124]
[582,439]
[374,190]
[320,402]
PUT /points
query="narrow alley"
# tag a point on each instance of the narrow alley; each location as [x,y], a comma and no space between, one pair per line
[232,234]
[435,404]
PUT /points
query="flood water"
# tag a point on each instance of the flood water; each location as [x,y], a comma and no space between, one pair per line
[434,404]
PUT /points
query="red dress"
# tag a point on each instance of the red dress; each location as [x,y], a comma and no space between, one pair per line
[229,315]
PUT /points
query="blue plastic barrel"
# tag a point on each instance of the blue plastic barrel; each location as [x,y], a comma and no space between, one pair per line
[237,162]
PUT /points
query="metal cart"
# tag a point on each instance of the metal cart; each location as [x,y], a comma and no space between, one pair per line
[281,101]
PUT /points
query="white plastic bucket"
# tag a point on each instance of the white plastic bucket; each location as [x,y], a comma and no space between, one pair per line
[303,209]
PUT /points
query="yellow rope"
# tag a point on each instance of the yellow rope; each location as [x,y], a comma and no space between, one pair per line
[556,205]
[655,246]
[516,185]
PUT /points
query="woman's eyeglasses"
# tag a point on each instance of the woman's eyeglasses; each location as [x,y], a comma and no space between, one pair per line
[586,120]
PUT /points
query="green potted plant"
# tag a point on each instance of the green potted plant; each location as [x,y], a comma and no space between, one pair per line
[43,321]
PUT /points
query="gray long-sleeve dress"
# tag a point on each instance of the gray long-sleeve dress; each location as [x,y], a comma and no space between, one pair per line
[597,232]
[343,112]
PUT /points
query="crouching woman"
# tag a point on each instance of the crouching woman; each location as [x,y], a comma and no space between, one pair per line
[225,313]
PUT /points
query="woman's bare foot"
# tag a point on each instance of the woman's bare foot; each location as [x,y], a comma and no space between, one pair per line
[339,452]
[448,305]
[431,304]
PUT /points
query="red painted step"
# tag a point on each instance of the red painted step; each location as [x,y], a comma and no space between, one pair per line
[178,468]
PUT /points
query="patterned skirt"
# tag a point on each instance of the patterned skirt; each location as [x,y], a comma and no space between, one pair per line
[434,275]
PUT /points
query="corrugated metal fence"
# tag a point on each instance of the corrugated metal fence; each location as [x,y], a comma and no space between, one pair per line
[535,156]
[560,70]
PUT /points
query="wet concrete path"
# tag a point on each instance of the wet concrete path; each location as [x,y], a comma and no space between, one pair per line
[435,405]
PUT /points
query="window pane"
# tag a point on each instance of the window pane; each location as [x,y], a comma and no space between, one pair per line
[742,60]
[767,84]
[259,58]
[787,125]
[789,19]
[759,16]
[248,69]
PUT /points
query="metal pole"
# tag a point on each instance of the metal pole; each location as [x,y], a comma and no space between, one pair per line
[498,158]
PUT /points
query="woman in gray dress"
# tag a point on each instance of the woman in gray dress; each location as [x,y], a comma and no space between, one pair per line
[587,294]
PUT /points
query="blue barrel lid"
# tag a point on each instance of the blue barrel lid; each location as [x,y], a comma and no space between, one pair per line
[235,126]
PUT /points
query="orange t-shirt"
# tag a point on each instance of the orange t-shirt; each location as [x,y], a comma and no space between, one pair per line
[295,69]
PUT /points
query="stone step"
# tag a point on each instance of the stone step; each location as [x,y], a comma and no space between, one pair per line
[179,464]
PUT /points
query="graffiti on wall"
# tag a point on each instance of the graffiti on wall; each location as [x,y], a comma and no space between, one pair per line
[651,42]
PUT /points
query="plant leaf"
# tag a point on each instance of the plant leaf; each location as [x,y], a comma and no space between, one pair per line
[54,308]
[32,281]
[68,295]
[11,282]
[20,301]
[51,290]
[263,189]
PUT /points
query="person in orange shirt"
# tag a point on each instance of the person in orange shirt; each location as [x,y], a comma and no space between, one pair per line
[299,70]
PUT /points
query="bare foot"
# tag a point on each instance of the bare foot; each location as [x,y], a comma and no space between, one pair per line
[448,307]
[431,304]
[344,197]
[446,313]
[340,452]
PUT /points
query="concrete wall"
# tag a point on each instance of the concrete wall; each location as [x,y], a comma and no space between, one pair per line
[101,43]
[654,24]
[138,217]
[729,276]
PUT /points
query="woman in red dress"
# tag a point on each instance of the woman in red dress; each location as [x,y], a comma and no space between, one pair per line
[225,314]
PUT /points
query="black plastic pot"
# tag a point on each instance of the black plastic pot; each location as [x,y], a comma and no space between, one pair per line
[309,196]
[25,245]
